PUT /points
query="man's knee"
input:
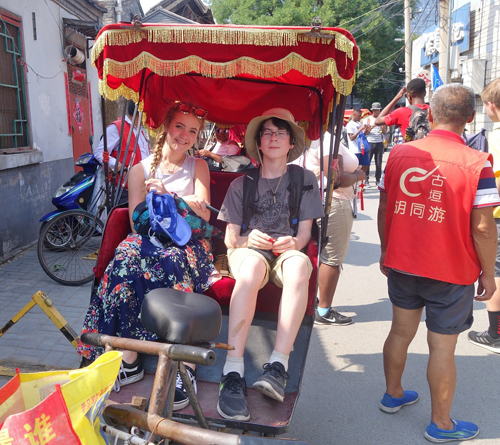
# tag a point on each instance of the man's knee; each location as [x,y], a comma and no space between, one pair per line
[295,270]
[252,269]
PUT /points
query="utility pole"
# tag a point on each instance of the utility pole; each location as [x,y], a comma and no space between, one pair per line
[407,41]
[444,39]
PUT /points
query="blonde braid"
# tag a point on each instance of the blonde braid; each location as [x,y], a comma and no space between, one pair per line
[157,151]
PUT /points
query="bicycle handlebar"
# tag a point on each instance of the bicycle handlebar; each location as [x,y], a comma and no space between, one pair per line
[187,353]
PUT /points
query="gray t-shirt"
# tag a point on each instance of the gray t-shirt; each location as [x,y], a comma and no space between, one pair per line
[271,217]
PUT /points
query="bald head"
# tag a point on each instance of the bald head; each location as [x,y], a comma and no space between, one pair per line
[453,104]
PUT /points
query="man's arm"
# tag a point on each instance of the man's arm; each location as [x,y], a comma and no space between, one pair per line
[209,154]
[484,235]
[353,136]
[382,207]
[381,117]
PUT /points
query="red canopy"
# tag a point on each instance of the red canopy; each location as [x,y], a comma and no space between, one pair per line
[234,72]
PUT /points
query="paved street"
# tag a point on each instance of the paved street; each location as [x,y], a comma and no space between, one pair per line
[343,381]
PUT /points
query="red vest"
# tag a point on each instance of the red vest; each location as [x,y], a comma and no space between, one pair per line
[126,131]
[431,186]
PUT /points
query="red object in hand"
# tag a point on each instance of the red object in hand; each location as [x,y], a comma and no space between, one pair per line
[360,195]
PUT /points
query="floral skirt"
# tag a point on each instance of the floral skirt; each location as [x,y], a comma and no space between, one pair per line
[137,268]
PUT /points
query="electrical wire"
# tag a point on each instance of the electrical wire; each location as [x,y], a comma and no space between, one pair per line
[21,59]
[400,51]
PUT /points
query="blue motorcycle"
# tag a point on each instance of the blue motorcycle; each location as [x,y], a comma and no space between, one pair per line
[78,191]
[71,235]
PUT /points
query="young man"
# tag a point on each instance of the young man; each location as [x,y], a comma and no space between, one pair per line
[354,127]
[267,250]
[438,237]
[376,137]
[415,95]
[490,339]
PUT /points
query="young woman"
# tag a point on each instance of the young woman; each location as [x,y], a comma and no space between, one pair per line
[139,266]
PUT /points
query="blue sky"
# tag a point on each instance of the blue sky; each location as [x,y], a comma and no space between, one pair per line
[147,4]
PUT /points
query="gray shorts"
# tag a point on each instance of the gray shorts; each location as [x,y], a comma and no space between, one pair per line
[497,260]
[448,307]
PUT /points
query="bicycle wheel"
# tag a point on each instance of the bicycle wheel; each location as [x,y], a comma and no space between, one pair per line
[68,246]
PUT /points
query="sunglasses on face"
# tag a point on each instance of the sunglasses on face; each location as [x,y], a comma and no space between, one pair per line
[222,130]
[200,113]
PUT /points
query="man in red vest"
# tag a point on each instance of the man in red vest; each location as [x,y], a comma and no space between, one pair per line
[438,236]
[113,138]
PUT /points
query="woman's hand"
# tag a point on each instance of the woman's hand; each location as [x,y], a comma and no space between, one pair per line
[259,240]
[156,186]
[283,244]
[198,202]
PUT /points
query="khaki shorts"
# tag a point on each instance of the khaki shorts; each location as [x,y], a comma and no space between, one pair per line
[338,231]
[274,272]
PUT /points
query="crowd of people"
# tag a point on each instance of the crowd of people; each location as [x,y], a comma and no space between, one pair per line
[436,222]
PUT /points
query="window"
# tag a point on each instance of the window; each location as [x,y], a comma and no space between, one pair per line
[14,129]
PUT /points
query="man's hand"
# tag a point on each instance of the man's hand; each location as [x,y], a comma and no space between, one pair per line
[401,93]
[259,240]
[486,288]
[205,153]
[283,244]
[384,269]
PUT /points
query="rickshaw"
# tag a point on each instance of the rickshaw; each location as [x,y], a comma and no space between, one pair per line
[236,73]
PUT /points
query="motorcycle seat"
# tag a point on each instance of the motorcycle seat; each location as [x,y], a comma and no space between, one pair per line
[181,317]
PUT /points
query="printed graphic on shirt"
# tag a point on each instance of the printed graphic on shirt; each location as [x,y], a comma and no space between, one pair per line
[271,213]
[432,209]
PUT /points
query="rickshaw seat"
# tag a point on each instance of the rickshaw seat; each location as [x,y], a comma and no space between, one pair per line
[118,227]
[164,313]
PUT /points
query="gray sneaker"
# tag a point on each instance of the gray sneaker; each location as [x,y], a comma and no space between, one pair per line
[232,398]
[273,382]
[485,340]
[332,317]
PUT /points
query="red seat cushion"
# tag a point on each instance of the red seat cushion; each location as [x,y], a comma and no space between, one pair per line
[116,230]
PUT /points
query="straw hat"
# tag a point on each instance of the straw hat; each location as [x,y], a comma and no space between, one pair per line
[281,113]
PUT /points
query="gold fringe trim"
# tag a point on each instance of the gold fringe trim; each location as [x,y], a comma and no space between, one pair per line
[220,36]
[342,43]
[230,69]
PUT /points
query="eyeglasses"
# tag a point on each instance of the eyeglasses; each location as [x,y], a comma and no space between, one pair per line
[222,130]
[200,113]
[280,134]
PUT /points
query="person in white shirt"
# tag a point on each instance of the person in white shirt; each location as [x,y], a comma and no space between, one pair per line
[376,139]
[340,221]
[354,127]
[224,146]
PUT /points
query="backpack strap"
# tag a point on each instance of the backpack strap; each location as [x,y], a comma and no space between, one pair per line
[296,189]
[250,184]
[414,108]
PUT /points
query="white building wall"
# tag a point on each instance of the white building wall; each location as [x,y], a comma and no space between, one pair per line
[45,78]
[28,180]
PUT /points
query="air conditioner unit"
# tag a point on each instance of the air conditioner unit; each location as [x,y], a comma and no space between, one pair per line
[455,58]
[474,73]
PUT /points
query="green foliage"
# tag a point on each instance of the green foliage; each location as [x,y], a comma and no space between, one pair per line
[374,24]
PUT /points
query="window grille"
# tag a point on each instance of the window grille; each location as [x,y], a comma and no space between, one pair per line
[14,129]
